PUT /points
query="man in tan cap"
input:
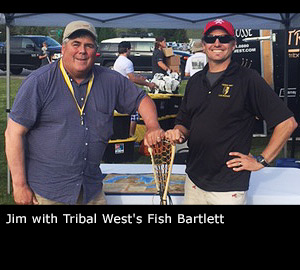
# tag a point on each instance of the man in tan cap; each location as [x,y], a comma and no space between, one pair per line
[62,119]
[77,35]
[197,61]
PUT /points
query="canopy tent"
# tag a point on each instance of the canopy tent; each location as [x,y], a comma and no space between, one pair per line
[158,20]
[273,21]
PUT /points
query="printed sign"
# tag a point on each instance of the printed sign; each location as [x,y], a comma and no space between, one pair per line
[119,148]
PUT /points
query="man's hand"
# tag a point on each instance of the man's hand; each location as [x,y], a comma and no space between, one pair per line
[175,136]
[23,195]
[243,162]
[152,85]
[153,136]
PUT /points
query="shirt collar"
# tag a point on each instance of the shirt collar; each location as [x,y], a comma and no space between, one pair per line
[85,81]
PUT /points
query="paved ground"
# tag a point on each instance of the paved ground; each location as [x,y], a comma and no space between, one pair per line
[24,73]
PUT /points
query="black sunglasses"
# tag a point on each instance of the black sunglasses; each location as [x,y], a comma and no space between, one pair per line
[223,39]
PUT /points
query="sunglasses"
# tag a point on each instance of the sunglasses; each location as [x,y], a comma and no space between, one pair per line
[222,39]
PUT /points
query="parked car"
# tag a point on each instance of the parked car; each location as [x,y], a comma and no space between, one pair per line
[24,52]
[141,52]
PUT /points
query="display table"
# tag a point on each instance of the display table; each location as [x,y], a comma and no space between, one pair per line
[268,186]
[275,186]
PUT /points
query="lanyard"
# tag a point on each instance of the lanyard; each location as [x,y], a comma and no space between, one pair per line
[69,84]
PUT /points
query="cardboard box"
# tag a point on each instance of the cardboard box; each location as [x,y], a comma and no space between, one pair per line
[168,52]
[174,68]
[173,60]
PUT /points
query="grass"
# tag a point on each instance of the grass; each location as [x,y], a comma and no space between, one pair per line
[15,83]
[257,146]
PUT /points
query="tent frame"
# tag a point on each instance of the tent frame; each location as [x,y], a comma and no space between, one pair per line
[285,21]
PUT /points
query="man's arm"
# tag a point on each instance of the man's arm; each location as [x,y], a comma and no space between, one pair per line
[42,56]
[14,147]
[140,80]
[187,70]
[147,110]
[163,66]
[281,134]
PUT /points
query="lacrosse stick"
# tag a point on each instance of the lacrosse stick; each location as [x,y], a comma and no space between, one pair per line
[162,157]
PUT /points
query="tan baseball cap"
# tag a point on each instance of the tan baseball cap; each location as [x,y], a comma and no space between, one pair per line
[197,47]
[79,25]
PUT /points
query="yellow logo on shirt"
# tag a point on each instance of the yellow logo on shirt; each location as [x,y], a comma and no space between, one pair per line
[225,90]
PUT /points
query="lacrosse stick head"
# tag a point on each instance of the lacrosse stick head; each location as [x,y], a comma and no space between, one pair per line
[162,157]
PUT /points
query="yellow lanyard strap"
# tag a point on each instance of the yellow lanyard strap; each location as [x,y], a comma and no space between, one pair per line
[68,82]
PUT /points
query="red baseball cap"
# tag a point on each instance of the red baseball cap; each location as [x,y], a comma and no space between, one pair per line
[220,23]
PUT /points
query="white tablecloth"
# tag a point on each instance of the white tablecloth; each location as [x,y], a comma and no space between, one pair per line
[275,186]
[267,186]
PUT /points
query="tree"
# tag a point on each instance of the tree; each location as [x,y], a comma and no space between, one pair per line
[177,35]
[105,33]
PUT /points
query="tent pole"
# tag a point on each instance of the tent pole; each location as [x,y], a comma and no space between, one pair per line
[285,78]
[8,89]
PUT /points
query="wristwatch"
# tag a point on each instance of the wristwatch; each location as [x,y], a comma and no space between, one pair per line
[260,159]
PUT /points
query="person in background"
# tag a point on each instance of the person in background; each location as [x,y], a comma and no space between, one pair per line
[158,59]
[124,66]
[197,61]
[45,55]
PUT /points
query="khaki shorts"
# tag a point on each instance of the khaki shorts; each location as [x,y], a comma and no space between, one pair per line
[98,200]
[196,195]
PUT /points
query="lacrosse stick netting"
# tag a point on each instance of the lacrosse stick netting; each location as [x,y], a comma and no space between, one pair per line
[162,157]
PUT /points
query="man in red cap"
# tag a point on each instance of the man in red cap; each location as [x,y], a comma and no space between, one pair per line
[219,44]
[217,117]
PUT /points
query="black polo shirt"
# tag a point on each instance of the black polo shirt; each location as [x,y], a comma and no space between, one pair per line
[157,56]
[221,120]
